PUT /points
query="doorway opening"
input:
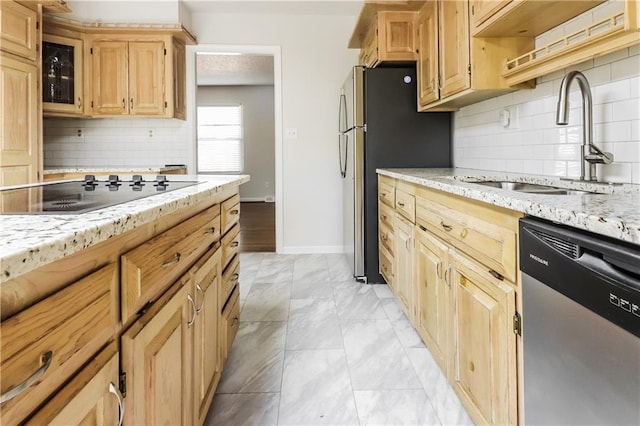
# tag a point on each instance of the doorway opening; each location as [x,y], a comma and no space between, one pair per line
[237,130]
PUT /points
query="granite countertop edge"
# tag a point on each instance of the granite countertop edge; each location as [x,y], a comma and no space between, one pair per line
[32,241]
[614,213]
[104,169]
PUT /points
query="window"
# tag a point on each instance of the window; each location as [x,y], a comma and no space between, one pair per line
[220,139]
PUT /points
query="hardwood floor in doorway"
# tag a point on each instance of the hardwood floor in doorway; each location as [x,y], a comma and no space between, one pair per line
[258,227]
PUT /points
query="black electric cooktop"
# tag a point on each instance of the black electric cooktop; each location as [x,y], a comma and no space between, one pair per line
[85,195]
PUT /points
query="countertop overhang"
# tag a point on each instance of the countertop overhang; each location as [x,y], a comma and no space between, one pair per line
[614,213]
[31,241]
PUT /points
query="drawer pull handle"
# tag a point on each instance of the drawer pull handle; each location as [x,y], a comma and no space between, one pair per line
[384,238]
[174,259]
[447,274]
[236,321]
[234,244]
[199,290]
[401,204]
[383,217]
[114,390]
[12,393]
[464,233]
[234,211]
[445,226]
[193,309]
[235,277]
[211,230]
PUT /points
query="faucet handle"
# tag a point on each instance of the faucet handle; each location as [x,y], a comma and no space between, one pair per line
[597,156]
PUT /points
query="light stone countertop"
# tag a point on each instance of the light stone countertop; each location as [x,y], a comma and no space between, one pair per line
[30,241]
[614,211]
[106,169]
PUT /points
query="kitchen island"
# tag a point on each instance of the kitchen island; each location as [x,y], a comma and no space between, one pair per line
[100,304]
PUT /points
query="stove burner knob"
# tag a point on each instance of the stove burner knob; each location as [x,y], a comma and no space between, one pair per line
[113,180]
[161,180]
[89,180]
[137,179]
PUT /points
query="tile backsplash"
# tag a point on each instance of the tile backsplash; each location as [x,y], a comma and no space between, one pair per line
[114,142]
[533,143]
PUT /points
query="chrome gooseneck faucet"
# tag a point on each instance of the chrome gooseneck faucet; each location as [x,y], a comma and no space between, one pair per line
[590,153]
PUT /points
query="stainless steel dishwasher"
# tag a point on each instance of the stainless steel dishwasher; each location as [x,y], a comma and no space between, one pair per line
[581,326]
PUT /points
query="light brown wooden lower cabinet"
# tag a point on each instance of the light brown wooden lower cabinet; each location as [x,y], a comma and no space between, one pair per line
[91,398]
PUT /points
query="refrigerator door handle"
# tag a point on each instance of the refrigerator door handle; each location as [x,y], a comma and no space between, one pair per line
[343,170]
[343,126]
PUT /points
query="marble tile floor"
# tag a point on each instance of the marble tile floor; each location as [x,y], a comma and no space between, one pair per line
[315,347]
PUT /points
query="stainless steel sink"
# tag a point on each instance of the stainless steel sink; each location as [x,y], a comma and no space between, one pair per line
[532,188]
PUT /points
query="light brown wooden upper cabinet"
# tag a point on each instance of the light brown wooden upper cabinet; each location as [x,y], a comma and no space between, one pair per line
[455,69]
[19,32]
[20,129]
[62,76]
[128,78]
[179,80]
[390,38]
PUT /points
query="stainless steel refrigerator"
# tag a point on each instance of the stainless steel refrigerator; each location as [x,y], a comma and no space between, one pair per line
[379,127]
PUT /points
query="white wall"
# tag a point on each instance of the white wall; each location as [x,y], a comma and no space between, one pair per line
[259,133]
[121,11]
[537,145]
[314,60]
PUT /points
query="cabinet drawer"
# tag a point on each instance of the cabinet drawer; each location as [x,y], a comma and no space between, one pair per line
[386,191]
[385,215]
[230,245]
[230,322]
[386,238]
[48,342]
[386,266]
[492,245]
[230,213]
[230,278]
[406,205]
[150,268]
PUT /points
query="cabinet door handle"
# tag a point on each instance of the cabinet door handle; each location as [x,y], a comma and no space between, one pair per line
[445,226]
[45,359]
[174,259]
[193,309]
[447,275]
[114,390]
[439,269]
[464,233]
[79,103]
[131,103]
[199,290]
[124,105]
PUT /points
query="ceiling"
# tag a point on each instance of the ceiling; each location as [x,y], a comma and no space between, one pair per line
[235,70]
[291,7]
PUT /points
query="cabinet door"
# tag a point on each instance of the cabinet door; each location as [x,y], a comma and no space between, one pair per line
[157,360]
[19,140]
[404,261]
[206,368]
[109,78]
[91,398]
[146,78]
[432,295]
[481,10]
[427,27]
[179,81]
[454,47]
[19,33]
[62,90]
[484,362]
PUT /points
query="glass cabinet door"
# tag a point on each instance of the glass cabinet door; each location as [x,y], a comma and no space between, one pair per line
[61,75]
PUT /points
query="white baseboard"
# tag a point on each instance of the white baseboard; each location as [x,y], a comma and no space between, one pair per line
[266,199]
[311,250]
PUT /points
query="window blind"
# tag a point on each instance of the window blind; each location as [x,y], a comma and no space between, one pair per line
[220,142]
